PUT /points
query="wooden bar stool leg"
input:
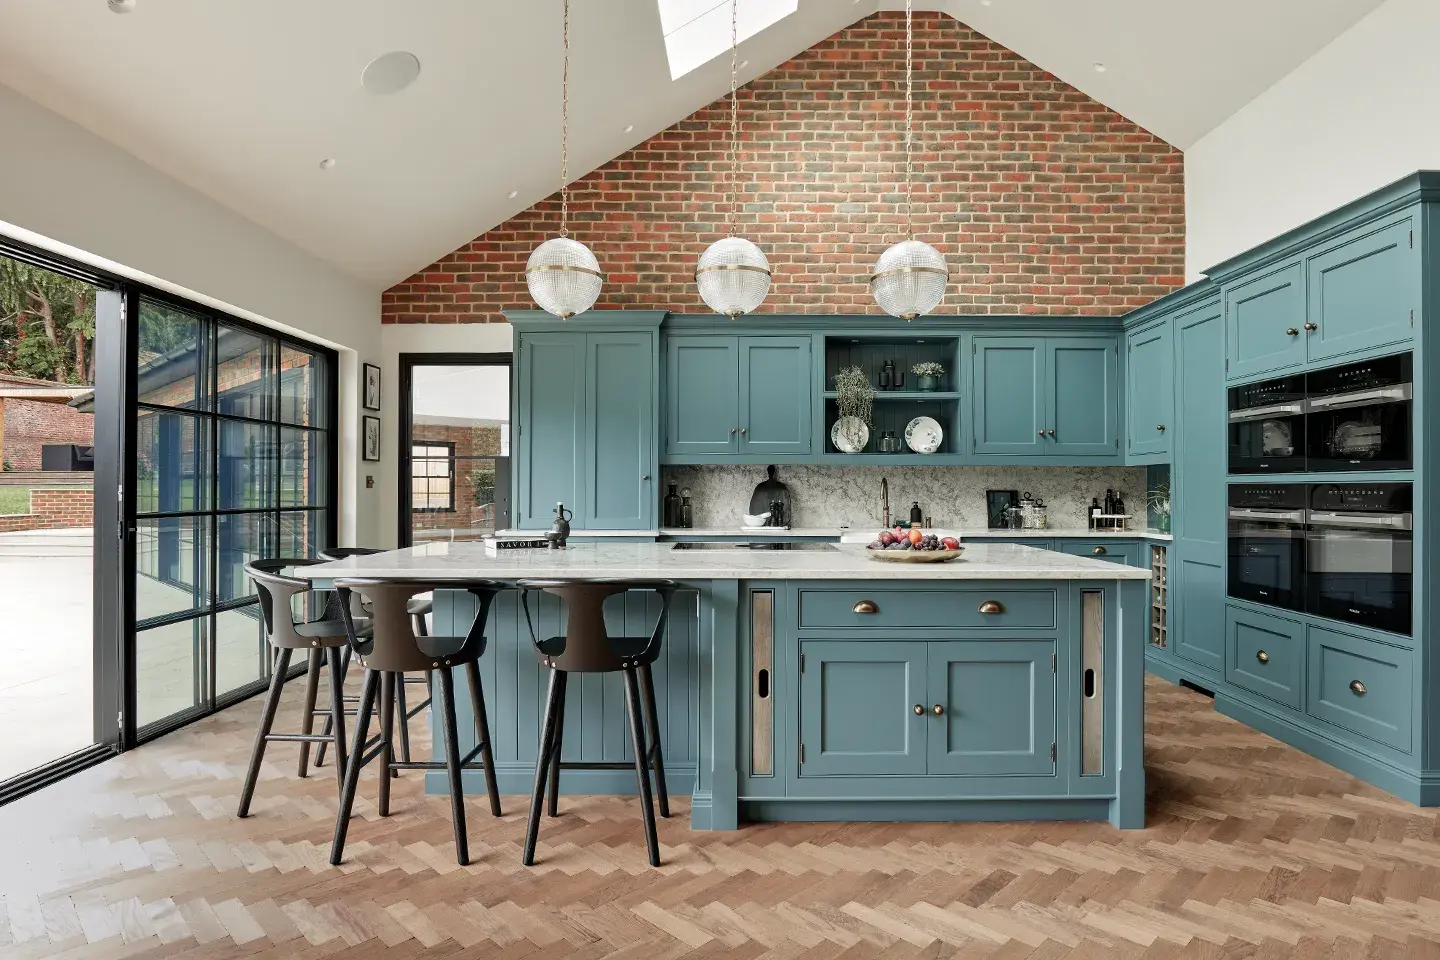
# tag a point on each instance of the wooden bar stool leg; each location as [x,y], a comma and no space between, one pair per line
[452,765]
[330,723]
[307,719]
[404,715]
[654,755]
[559,746]
[336,720]
[642,769]
[353,764]
[267,720]
[387,738]
[482,734]
[542,768]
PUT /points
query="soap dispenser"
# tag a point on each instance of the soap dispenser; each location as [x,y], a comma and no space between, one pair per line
[917,516]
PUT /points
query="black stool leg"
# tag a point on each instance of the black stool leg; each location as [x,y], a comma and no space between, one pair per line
[556,750]
[404,715]
[542,767]
[353,764]
[452,765]
[652,721]
[267,720]
[482,734]
[642,769]
[307,719]
[336,720]
[330,722]
[387,738]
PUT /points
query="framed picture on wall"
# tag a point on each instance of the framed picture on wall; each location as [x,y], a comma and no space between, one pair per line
[371,398]
[371,450]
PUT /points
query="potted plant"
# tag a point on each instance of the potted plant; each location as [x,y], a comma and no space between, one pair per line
[855,401]
[1160,504]
[928,375]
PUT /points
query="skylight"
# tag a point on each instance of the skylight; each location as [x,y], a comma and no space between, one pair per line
[697,31]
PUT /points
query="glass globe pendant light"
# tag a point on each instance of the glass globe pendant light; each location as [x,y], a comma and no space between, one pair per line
[910,277]
[733,274]
[563,275]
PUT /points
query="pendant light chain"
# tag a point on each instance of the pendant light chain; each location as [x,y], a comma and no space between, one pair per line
[565,131]
[734,117]
[909,115]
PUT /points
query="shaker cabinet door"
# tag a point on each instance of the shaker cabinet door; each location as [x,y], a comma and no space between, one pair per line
[857,708]
[996,701]
[775,389]
[702,411]
[550,454]
[1150,399]
[1083,388]
[1009,408]
[1265,322]
[620,464]
[1363,291]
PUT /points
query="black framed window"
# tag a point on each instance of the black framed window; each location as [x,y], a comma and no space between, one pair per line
[432,477]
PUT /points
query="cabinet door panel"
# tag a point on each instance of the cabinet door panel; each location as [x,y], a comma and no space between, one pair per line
[1361,685]
[1009,402]
[1362,292]
[1200,445]
[775,390]
[998,698]
[703,413]
[857,708]
[550,448]
[1265,654]
[1127,552]
[1083,387]
[620,416]
[1259,315]
[1150,399]
[1198,594]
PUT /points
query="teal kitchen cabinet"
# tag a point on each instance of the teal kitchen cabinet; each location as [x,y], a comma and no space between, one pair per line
[992,708]
[1360,685]
[1265,654]
[1265,320]
[550,432]
[1055,397]
[1363,290]
[858,702]
[1132,553]
[729,397]
[1150,393]
[620,468]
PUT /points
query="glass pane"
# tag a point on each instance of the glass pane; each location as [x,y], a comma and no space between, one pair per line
[242,655]
[240,538]
[245,373]
[170,565]
[171,462]
[301,533]
[460,421]
[168,661]
[169,360]
[303,459]
[247,466]
[302,387]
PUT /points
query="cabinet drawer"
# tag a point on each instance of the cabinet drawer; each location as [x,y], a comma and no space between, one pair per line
[1115,551]
[939,609]
[1265,654]
[1360,685]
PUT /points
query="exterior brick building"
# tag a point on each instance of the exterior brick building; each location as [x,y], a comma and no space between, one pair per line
[29,425]
[453,479]
[1042,199]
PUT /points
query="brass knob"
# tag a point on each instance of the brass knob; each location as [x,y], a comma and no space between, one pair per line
[1160,426]
[1051,432]
[1312,326]
[732,431]
[1292,332]
[992,606]
[644,476]
[742,431]
[865,606]
[1357,688]
[1099,551]
[919,710]
[1262,656]
[939,710]
[1039,433]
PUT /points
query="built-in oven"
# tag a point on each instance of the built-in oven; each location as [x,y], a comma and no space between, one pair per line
[1359,416]
[1267,544]
[1360,554]
[1267,426]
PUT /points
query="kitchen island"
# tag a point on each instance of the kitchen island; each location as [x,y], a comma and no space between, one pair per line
[815,683]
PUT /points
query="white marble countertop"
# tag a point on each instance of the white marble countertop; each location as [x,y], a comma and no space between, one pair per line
[452,561]
[513,534]
[866,534]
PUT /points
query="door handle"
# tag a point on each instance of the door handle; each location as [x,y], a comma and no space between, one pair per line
[1159,426]
[865,606]
[644,476]
[939,710]
[742,431]
[1039,433]
[992,606]
[919,710]
[1292,332]
[1051,432]
[1262,656]
[1099,551]
[1357,688]
[1312,326]
[732,431]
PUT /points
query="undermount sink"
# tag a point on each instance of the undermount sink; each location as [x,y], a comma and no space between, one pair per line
[782,545]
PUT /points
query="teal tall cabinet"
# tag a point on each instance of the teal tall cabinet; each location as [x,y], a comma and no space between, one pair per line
[586,419]
[1149,392]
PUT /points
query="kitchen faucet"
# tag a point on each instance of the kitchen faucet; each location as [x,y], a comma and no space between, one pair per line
[884,502]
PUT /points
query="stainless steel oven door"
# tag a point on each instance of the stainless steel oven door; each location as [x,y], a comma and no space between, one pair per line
[1267,426]
[1267,557]
[1360,568]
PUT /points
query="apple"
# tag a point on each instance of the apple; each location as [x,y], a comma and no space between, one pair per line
[950,543]
[887,538]
[915,537]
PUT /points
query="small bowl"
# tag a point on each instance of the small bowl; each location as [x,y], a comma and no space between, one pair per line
[750,520]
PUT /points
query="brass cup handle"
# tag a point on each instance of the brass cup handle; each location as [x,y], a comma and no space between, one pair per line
[1292,332]
[1099,551]
[1312,326]
[1262,656]
[865,606]
[992,606]
[1357,688]
[919,710]
[938,710]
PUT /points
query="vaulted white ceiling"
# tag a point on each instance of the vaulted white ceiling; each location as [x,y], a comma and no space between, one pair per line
[242,100]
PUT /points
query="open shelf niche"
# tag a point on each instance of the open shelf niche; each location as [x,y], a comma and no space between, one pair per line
[894,409]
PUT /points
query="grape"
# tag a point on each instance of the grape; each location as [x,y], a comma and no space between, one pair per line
[876,545]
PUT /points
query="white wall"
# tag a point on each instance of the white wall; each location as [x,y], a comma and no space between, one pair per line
[63,188]
[1359,114]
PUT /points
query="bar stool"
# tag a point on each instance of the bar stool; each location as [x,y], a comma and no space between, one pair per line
[392,649]
[420,607]
[586,647]
[322,638]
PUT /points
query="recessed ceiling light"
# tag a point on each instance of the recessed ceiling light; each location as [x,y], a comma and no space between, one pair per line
[744,64]
[512,194]
[1100,67]
[122,6]
[327,163]
[629,128]
[984,3]
[390,72]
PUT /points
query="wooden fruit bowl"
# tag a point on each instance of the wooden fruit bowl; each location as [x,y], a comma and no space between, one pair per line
[914,556]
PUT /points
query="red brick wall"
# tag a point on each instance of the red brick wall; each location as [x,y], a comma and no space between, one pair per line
[1043,200]
[468,442]
[53,509]
[29,425]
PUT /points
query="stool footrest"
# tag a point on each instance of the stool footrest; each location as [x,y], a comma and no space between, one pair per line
[587,765]
[432,765]
[298,738]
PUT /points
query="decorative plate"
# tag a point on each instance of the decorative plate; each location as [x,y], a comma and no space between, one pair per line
[915,556]
[923,435]
[849,434]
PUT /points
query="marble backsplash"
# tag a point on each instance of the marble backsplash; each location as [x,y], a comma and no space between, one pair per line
[951,496]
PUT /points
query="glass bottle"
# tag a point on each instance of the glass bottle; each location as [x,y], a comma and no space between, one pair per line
[687,515]
[671,512]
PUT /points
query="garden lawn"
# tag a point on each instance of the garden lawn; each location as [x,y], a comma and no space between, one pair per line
[14,500]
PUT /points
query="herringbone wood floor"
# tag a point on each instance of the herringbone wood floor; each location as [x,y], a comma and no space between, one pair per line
[1253,849]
